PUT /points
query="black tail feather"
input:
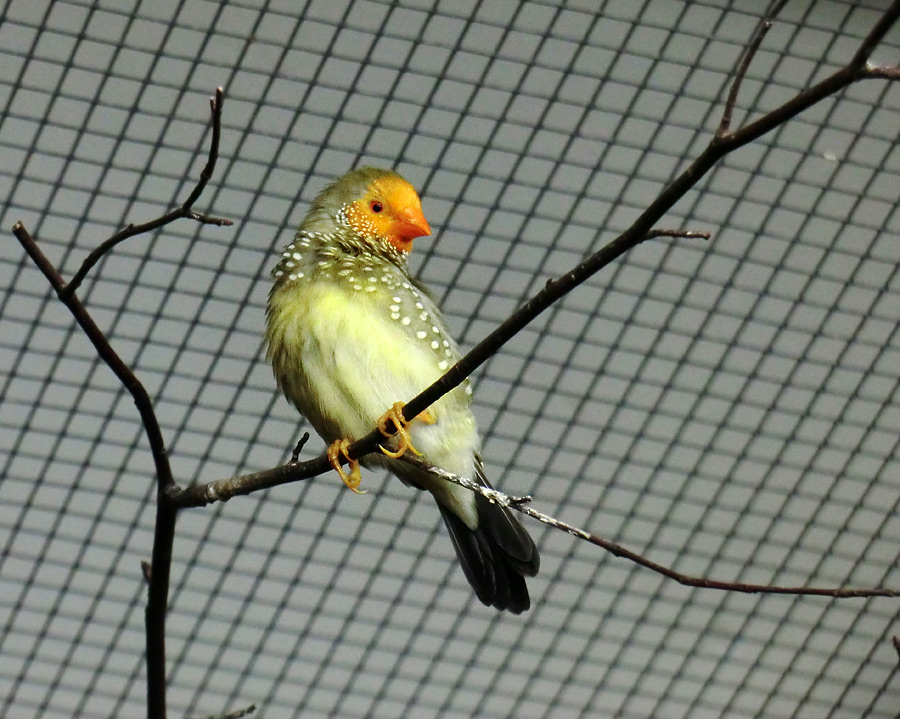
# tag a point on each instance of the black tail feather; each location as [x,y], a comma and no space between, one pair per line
[496,556]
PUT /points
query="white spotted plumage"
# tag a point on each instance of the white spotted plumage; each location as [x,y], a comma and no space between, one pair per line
[322,298]
[350,333]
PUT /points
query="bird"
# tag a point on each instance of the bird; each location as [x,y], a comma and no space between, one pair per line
[351,335]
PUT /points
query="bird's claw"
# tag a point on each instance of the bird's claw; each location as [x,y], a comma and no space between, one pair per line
[337,450]
[395,415]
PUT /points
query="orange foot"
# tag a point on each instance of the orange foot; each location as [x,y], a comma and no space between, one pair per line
[337,450]
[395,415]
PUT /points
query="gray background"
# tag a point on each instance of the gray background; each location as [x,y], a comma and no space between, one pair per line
[729,408]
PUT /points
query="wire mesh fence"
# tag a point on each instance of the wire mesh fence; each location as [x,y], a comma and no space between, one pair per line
[729,408]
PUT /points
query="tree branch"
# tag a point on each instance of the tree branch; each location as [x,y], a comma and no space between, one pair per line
[185,211]
[158,571]
[744,64]
[236,714]
[523,505]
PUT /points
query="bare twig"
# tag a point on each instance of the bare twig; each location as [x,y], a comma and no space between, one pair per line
[684,234]
[887,73]
[236,714]
[185,211]
[523,505]
[157,574]
[222,490]
[164,532]
[857,69]
[104,350]
[860,60]
[298,448]
[744,64]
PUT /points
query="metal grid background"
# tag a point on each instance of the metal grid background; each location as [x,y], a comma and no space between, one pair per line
[729,408]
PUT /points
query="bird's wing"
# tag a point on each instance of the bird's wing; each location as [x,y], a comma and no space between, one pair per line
[359,361]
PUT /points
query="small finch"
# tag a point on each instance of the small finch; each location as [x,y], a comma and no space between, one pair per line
[351,335]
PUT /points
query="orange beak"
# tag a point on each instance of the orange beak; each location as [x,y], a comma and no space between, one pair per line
[408,224]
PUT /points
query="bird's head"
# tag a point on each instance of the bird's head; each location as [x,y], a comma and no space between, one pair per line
[377,205]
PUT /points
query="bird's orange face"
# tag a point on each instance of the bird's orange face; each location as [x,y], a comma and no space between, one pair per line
[391,209]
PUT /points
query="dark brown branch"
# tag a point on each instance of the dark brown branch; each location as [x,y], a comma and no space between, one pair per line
[199,495]
[236,714]
[684,234]
[875,36]
[523,505]
[158,571]
[885,73]
[164,532]
[105,351]
[744,65]
[298,448]
[184,212]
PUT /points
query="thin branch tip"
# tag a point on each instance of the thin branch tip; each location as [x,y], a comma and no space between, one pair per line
[522,504]
[184,211]
[209,219]
[746,59]
[683,234]
[216,101]
[301,443]
[236,714]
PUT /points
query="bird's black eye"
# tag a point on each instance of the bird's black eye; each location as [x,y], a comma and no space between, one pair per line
[376,206]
